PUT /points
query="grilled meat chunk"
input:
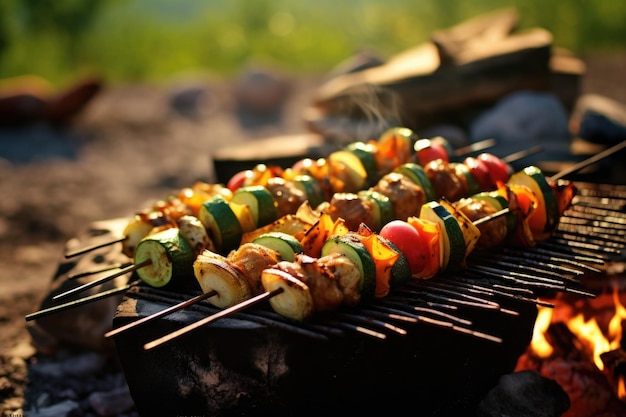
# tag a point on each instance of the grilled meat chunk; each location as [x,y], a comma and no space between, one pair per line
[445,180]
[347,276]
[407,198]
[251,259]
[492,232]
[287,195]
[321,282]
[351,208]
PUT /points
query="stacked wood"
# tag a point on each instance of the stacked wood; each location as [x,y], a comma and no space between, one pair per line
[459,70]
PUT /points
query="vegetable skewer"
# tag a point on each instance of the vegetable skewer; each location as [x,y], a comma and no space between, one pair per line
[479,223]
[161,211]
[138,265]
[200,242]
[276,280]
[209,319]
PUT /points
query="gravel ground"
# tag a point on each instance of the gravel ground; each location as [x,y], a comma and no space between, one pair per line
[128,147]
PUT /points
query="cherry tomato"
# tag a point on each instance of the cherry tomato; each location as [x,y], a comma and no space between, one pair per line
[480,171]
[409,241]
[427,151]
[238,180]
[499,171]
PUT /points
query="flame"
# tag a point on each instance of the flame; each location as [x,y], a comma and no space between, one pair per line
[539,344]
[589,332]
[615,325]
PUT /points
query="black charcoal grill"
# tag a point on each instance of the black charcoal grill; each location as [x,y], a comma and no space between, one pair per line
[435,347]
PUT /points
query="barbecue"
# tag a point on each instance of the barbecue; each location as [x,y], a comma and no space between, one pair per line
[261,362]
[256,361]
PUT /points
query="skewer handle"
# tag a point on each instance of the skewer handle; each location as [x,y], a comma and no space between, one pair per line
[79,302]
[97,271]
[231,310]
[161,313]
[102,280]
[90,248]
[592,160]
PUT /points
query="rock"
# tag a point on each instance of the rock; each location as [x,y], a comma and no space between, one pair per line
[192,99]
[63,409]
[522,120]
[524,394]
[599,119]
[260,96]
[111,403]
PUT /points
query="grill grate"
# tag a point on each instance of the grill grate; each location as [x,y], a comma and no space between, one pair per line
[591,233]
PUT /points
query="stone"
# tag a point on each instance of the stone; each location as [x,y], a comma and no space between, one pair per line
[111,403]
[599,119]
[63,409]
[524,394]
[522,120]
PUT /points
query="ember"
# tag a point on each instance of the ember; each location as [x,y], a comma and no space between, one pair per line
[579,344]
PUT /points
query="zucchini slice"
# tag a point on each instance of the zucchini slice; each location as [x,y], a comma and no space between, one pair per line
[135,231]
[366,152]
[311,188]
[260,201]
[346,172]
[285,244]
[417,175]
[452,242]
[382,212]
[353,249]
[221,224]
[543,220]
[496,200]
[171,259]
[471,232]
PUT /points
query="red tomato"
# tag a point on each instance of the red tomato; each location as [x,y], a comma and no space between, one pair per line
[409,241]
[427,151]
[237,180]
[498,169]
[480,171]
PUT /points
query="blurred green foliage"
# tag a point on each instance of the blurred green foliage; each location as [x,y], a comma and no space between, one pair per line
[152,40]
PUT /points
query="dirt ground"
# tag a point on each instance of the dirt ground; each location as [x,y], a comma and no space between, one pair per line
[129,146]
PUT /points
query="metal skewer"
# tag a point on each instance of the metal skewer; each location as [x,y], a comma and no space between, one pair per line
[161,313]
[474,147]
[97,271]
[79,302]
[592,160]
[522,154]
[231,310]
[86,249]
[97,282]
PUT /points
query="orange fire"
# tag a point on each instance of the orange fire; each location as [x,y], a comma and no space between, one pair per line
[589,333]
[539,344]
